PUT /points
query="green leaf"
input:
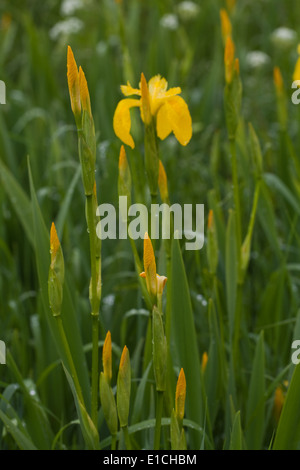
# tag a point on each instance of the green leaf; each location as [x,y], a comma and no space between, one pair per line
[231,269]
[18,199]
[89,432]
[68,314]
[23,441]
[288,432]
[255,412]
[236,438]
[183,339]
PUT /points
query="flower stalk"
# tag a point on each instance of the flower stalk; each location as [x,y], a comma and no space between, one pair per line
[81,107]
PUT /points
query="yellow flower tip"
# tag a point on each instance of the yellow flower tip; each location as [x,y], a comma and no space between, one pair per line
[146,106]
[73,82]
[162,182]
[210,219]
[107,357]
[149,257]
[143,275]
[150,266]
[54,241]
[84,92]
[72,70]
[225,24]
[278,81]
[229,59]
[122,159]
[204,361]
[124,361]
[278,402]
[180,395]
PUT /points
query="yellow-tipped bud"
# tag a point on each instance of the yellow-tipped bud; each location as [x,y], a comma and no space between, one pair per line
[122,160]
[204,361]
[163,182]
[278,402]
[278,81]
[146,107]
[73,83]
[56,273]
[107,358]
[210,220]
[84,92]
[124,387]
[54,244]
[226,27]
[180,395]
[149,266]
[229,59]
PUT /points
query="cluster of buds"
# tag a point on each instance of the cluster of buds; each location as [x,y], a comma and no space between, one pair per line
[115,410]
[233,86]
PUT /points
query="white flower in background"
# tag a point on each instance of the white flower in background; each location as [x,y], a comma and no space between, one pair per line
[169,21]
[257,59]
[65,28]
[188,10]
[69,7]
[284,37]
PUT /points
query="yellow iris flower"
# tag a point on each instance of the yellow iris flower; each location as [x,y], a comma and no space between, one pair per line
[170,111]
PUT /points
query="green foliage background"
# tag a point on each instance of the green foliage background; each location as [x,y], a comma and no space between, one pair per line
[40,182]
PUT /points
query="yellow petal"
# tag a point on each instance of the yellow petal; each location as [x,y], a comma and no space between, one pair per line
[127,90]
[174,116]
[158,92]
[122,120]
[172,92]
[157,87]
[160,283]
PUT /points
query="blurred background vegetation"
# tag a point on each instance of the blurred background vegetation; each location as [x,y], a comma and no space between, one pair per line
[115,42]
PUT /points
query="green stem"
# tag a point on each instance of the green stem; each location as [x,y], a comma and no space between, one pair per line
[95,301]
[237,203]
[113,442]
[95,361]
[159,410]
[126,437]
[69,358]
